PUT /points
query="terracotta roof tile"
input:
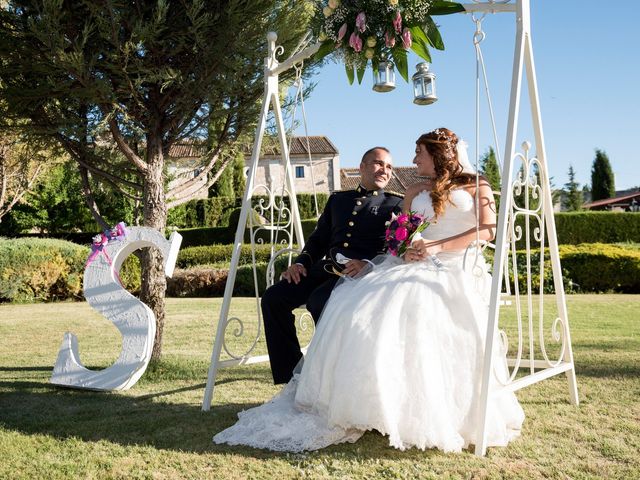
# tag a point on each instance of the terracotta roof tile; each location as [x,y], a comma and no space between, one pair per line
[402,177]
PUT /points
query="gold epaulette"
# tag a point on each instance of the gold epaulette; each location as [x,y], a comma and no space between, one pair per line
[395,194]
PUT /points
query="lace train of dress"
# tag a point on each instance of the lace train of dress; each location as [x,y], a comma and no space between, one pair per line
[399,350]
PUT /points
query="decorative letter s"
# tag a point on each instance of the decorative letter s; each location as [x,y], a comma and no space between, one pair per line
[135,320]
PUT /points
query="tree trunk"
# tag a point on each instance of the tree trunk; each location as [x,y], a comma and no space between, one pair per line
[154,283]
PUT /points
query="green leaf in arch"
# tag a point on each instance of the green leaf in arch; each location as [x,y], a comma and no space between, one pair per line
[325,49]
[420,43]
[421,50]
[400,58]
[350,74]
[433,34]
[360,72]
[442,7]
[417,32]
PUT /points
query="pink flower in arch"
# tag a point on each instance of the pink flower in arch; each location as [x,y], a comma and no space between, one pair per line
[406,39]
[361,22]
[397,23]
[389,39]
[355,42]
[342,31]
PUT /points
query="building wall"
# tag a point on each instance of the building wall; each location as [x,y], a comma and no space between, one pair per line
[182,170]
[325,175]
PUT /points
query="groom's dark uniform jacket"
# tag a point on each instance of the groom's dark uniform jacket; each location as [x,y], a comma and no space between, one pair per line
[353,223]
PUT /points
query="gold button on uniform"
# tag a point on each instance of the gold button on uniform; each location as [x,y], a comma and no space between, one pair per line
[358,202]
[351,224]
[354,213]
[348,235]
[345,244]
[375,193]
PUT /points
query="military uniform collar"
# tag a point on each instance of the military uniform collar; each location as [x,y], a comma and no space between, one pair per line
[360,189]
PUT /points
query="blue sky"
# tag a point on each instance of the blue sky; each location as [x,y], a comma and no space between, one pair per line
[588,78]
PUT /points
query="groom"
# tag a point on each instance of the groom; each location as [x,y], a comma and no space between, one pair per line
[349,233]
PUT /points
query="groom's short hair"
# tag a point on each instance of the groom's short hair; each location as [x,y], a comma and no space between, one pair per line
[371,150]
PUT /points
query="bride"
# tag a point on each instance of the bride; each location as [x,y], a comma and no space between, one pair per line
[400,349]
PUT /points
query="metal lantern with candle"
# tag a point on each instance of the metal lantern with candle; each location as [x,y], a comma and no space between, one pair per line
[384,77]
[424,85]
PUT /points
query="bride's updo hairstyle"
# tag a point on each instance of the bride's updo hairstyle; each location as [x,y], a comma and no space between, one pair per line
[442,145]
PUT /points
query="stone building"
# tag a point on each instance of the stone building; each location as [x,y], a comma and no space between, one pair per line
[315,164]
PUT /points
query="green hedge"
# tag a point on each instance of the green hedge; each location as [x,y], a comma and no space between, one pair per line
[588,267]
[216,211]
[597,227]
[38,269]
[211,282]
[211,236]
[599,267]
[45,269]
[216,254]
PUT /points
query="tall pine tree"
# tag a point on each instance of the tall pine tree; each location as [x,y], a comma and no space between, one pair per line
[573,200]
[602,179]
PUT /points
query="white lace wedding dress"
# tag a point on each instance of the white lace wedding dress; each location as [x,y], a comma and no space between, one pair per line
[399,350]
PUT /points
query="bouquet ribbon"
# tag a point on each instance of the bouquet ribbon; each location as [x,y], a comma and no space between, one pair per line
[101,240]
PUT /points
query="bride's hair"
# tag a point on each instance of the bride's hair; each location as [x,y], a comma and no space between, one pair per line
[442,143]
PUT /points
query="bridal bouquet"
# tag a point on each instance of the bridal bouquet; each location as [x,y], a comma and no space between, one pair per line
[373,30]
[401,230]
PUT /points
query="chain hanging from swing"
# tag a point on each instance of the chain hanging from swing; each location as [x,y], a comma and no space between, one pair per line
[481,74]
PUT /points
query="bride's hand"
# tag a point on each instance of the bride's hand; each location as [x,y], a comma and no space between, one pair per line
[421,249]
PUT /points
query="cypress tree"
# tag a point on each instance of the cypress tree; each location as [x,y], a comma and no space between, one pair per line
[602,179]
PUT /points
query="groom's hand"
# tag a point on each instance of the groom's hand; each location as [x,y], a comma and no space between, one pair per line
[294,273]
[353,267]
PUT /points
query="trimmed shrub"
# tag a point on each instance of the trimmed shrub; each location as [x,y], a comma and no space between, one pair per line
[216,211]
[597,227]
[39,269]
[45,269]
[588,267]
[211,282]
[193,237]
[214,254]
[598,267]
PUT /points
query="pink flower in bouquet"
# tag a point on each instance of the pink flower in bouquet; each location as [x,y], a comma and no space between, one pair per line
[355,42]
[397,23]
[342,32]
[401,230]
[361,22]
[406,39]
[389,39]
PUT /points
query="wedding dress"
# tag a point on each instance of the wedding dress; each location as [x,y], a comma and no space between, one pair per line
[400,351]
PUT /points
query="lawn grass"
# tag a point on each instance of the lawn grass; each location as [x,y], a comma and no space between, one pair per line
[157,429]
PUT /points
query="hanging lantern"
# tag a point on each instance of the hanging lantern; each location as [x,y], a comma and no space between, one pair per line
[424,85]
[384,77]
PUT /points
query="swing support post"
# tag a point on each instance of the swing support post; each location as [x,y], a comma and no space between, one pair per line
[271,99]
[523,57]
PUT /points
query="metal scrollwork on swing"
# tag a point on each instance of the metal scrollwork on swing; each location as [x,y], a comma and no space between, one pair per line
[238,333]
[527,226]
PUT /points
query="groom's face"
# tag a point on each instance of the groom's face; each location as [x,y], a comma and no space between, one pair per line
[375,170]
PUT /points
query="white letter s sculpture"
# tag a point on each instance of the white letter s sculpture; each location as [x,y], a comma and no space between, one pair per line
[135,320]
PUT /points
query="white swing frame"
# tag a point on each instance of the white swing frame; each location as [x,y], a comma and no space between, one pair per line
[539,369]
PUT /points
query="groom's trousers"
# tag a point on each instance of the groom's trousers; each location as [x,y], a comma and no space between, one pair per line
[278,303]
